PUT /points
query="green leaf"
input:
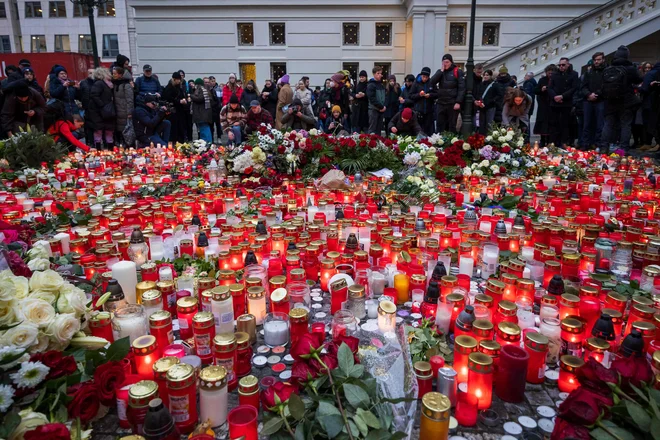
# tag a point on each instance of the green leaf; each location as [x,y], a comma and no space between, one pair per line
[655,428]
[361,425]
[118,350]
[300,432]
[353,427]
[380,434]
[327,409]
[296,407]
[331,424]
[61,414]
[655,395]
[369,418]
[345,359]
[10,359]
[272,426]
[357,371]
[654,406]
[384,413]
[601,434]
[399,436]
[639,415]
[356,396]
[9,423]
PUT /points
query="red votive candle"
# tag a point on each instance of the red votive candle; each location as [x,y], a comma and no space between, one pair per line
[536,346]
[466,409]
[511,374]
[480,379]
[243,422]
[464,345]
[436,362]
[424,376]
[568,366]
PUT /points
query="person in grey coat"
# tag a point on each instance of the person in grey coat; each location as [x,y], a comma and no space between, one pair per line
[123,98]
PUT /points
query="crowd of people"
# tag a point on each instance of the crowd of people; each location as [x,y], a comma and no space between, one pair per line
[607,106]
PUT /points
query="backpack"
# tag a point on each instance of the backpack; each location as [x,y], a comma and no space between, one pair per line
[614,82]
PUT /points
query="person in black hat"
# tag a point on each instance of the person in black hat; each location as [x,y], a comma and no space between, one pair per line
[24,62]
[404,99]
[148,83]
[150,123]
[360,114]
[174,94]
[122,61]
[28,74]
[423,94]
[450,83]
[23,107]
[562,86]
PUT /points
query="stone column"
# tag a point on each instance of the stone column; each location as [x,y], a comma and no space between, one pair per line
[429,20]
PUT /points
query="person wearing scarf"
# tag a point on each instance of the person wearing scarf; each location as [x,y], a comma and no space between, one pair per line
[202,110]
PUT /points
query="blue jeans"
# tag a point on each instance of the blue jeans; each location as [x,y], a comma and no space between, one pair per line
[594,118]
[618,127]
[237,135]
[162,133]
[205,132]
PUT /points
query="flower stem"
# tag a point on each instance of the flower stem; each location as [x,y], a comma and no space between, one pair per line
[606,429]
[336,393]
[286,422]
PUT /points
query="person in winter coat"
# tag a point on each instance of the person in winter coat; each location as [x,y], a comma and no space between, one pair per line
[231,88]
[651,103]
[404,98]
[22,107]
[123,98]
[284,98]
[488,99]
[64,89]
[339,94]
[28,75]
[148,83]
[529,86]
[202,111]
[360,115]
[450,84]
[233,117]
[504,79]
[298,117]
[542,125]
[256,116]
[593,105]
[85,94]
[621,103]
[101,114]
[150,123]
[268,97]
[174,94]
[392,93]
[334,123]
[423,94]
[305,96]
[404,123]
[63,131]
[376,96]
[563,85]
[250,93]
[515,111]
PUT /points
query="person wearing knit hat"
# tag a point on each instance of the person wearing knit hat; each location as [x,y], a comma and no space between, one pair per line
[233,118]
[333,123]
[622,52]
[284,99]
[423,95]
[21,108]
[28,75]
[450,84]
[360,115]
[405,123]
[231,88]
[392,93]
[404,98]
[563,86]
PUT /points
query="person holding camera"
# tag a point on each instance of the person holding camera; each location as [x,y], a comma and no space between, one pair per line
[150,123]
[298,117]
[333,124]
[64,89]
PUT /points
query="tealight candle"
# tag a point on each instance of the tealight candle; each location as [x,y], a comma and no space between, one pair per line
[276,329]
[480,378]
[130,321]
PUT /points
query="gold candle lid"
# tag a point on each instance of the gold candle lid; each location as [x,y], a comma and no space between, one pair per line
[436,406]
[597,345]
[141,393]
[422,368]
[180,376]
[161,317]
[224,342]
[188,303]
[165,363]
[536,341]
[571,325]
[387,307]
[144,345]
[508,329]
[256,292]
[248,385]
[213,377]
[220,293]
[480,362]
[570,363]
[465,343]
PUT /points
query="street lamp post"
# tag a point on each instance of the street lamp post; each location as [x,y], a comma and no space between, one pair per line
[91,4]
[468,124]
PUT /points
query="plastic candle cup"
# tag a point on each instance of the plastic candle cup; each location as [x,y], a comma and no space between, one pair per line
[160,368]
[145,349]
[508,333]
[101,326]
[327,272]
[238,298]
[182,391]
[226,356]
[248,391]
[443,316]
[424,376]
[511,374]
[480,379]
[186,307]
[222,309]
[434,421]
[568,366]
[482,329]
[299,321]
[572,335]
[257,303]
[338,295]
[598,349]
[243,354]
[243,422]
[386,316]
[466,265]
[279,301]
[213,395]
[466,409]
[464,345]
[139,396]
[569,305]
[402,286]
[510,283]
[203,332]
[536,346]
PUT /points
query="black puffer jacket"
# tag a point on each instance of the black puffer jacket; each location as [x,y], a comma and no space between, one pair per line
[592,82]
[633,79]
[423,105]
[100,96]
[565,84]
[450,85]
[86,92]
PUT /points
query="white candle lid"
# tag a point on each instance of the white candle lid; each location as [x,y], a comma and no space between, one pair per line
[285,375]
[527,422]
[546,411]
[512,428]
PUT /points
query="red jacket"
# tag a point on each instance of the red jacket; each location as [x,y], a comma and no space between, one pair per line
[226,94]
[64,129]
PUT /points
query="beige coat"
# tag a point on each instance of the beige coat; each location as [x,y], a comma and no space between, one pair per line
[284,97]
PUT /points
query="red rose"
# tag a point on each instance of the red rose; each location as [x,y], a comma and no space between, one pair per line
[302,373]
[49,431]
[564,429]
[109,377]
[85,402]
[281,149]
[306,345]
[595,376]
[352,342]
[281,389]
[584,406]
[502,170]
[506,149]
[248,170]
[633,371]
[329,360]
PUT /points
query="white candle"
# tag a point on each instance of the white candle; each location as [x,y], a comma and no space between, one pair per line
[372,308]
[156,247]
[527,253]
[28,205]
[186,283]
[257,307]
[311,212]
[213,403]
[443,317]
[165,274]
[377,283]
[64,239]
[96,209]
[276,333]
[223,314]
[466,266]
[125,272]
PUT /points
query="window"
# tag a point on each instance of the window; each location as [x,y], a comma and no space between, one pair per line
[33,10]
[38,43]
[383,34]
[5,44]
[387,68]
[457,33]
[80,11]
[56,9]
[277,70]
[108,9]
[110,45]
[277,34]
[491,34]
[3,11]
[245,34]
[351,34]
[62,43]
[353,69]
[85,44]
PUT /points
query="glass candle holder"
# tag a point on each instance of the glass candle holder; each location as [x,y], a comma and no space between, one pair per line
[242,422]
[506,312]
[182,391]
[152,301]
[572,335]
[343,324]
[356,301]
[495,289]
[257,303]
[447,285]
[568,366]
[299,321]
[145,350]
[213,395]
[464,345]
[276,329]
[480,379]
[386,316]
[510,283]
[536,346]
[467,410]
[186,308]
[434,421]
[511,374]
[639,312]
[225,355]
[130,321]
[569,304]
[203,325]
[424,378]
[243,354]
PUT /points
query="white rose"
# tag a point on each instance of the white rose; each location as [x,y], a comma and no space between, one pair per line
[501,139]
[41,344]
[38,264]
[503,130]
[23,336]
[38,252]
[8,314]
[489,138]
[520,143]
[454,140]
[515,163]
[37,312]
[495,169]
[466,146]
[410,179]
[478,173]
[47,296]
[508,136]
[484,163]
[72,300]
[467,171]
[29,421]
[63,328]
[48,280]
